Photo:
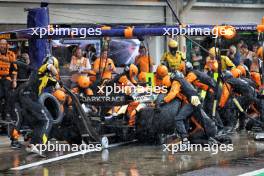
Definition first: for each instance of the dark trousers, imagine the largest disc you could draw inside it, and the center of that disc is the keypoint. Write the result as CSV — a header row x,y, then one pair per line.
x,y
208,108
5,87
230,113
181,119
38,117
245,102
182,125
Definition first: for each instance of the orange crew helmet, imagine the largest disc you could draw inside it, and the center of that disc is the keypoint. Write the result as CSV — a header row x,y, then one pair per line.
x,y
162,71
133,70
60,95
236,72
243,69
83,82
142,77
166,81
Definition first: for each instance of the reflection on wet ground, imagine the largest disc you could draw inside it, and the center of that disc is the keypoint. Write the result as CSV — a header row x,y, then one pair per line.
x,y
144,160
233,167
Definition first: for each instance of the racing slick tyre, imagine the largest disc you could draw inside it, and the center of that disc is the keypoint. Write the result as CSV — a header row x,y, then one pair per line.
x,y
53,106
150,123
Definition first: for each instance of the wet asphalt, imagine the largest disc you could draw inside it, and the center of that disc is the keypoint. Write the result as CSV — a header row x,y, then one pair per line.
x,y
135,160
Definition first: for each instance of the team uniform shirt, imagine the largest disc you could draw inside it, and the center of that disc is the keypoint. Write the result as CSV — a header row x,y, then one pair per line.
x,y
182,89
143,63
105,67
7,68
193,79
176,62
212,64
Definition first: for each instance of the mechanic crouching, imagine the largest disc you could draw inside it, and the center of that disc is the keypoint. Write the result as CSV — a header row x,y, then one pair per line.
x,y
183,90
237,92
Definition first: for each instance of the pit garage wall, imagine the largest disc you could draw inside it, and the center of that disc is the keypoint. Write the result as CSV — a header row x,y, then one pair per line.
x,y
13,16
224,13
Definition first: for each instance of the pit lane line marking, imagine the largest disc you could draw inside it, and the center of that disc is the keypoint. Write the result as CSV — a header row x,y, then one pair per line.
x,y
38,163
52,160
254,173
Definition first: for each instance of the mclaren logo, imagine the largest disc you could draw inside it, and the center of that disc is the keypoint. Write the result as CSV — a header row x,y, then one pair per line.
x,y
5,36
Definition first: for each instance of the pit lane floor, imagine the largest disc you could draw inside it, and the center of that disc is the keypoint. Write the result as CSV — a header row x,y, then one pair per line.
x,y
135,160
